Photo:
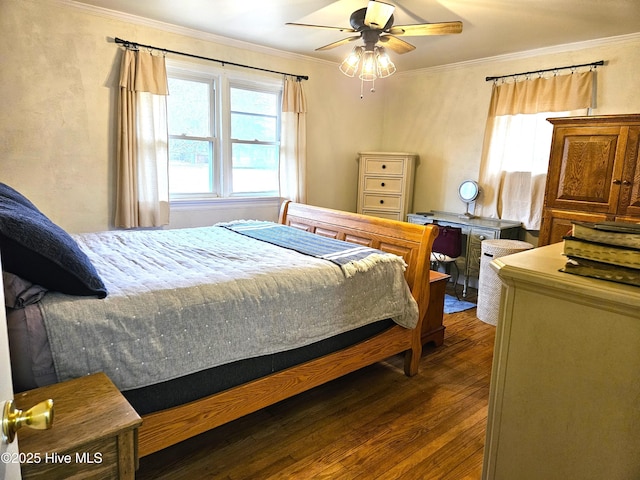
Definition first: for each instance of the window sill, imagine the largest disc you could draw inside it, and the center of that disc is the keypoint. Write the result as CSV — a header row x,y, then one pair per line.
x,y
195,203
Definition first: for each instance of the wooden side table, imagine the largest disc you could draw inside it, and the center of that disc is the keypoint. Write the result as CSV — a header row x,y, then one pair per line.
x,y
94,433
432,328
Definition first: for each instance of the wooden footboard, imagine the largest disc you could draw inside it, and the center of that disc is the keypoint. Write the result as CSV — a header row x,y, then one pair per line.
x,y
413,242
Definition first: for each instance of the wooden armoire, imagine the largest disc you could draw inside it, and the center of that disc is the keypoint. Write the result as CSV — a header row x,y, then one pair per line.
x,y
593,175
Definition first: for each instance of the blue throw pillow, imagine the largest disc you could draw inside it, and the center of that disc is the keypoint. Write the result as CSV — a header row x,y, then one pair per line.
x,y
36,249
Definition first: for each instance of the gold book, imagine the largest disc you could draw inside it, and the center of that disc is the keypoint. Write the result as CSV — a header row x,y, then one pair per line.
x,y
602,252
613,233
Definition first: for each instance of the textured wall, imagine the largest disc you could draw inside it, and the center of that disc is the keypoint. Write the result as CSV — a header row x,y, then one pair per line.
x,y
448,109
58,92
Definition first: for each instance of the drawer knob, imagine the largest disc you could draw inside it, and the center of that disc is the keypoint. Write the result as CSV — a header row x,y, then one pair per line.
x,y
39,416
382,184
384,166
381,202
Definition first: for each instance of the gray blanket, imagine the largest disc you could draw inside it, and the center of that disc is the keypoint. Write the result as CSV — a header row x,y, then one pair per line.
x,y
185,300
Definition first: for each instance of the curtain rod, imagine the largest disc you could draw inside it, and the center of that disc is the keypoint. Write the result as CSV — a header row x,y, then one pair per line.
x,y
129,44
592,64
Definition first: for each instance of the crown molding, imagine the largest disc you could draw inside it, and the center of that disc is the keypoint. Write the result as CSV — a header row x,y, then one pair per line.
x,y
567,47
188,32
210,37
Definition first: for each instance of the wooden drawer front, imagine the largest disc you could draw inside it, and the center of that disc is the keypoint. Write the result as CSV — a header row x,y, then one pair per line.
x,y
382,202
97,460
383,184
388,215
386,166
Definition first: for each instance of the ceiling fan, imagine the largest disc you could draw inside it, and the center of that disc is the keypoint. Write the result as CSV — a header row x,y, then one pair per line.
x,y
375,24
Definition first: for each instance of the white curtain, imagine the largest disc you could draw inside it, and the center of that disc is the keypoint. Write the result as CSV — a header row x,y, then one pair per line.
x,y
142,196
293,142
518,141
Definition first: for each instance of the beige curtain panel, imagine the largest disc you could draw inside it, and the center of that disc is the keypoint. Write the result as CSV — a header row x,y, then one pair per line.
x,y
513,192
554,94
142,192
293,142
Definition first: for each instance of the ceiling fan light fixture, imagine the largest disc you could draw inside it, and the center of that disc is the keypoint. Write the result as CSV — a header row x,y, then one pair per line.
x,y
349,65
386,67
369,71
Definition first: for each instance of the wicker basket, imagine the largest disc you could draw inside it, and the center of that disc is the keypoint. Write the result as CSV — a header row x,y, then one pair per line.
x,y
489,284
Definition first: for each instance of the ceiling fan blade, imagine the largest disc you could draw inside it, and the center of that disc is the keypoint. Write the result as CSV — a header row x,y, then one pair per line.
x,y
443,28
378,14
340,29
338,43
395,44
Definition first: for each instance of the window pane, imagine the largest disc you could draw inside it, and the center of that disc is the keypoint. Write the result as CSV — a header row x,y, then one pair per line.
x,y
253,127
190,166
249,101
255,168
188,106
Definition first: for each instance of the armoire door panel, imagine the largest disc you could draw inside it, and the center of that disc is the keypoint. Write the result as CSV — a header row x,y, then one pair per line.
x,y
629,204
594,173
558,223
586,173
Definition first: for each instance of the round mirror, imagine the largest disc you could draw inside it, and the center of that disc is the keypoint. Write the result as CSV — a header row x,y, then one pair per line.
x,y
468,191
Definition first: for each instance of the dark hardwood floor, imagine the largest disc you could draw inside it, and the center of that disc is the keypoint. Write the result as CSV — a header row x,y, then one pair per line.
x,y
374,423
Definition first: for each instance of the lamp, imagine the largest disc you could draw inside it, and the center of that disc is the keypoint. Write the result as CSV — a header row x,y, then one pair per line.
x,y
370,62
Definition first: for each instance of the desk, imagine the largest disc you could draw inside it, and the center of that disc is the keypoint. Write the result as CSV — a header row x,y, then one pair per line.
x,y
474,231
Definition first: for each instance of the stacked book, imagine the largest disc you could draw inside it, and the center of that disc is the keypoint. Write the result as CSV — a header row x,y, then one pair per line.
x,y
607,250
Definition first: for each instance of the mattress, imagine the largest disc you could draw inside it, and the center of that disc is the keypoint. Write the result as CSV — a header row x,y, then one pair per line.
x,y
184,302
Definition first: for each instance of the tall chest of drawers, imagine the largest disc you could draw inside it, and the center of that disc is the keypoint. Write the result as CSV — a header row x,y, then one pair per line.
x,y
385,184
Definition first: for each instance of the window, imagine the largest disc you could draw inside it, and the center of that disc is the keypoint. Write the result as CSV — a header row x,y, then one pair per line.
x,y
518,140
224,134
254,141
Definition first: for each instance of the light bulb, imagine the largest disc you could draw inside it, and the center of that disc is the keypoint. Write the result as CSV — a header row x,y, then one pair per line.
x,y
349,65
386,67
369,66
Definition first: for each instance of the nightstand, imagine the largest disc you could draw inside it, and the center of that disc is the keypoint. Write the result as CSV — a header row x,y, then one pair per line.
x,y
94,433
432,328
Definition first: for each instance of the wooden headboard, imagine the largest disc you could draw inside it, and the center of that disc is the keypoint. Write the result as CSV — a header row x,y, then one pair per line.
x,y
410,241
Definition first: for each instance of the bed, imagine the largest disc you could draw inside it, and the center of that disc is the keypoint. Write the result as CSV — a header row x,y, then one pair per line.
x,y
181,405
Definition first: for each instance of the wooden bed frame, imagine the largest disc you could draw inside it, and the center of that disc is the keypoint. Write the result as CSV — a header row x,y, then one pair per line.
x,y
411,241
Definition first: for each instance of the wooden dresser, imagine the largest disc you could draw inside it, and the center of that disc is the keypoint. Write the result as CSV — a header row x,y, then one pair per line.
x,y
385,184
563,401
593,175
94,432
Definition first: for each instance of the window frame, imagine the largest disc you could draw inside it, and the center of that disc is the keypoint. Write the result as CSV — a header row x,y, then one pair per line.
x,y
222,81
227,158
214,137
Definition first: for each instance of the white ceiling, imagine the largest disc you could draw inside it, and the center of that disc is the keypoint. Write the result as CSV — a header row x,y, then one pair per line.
x,y
491,27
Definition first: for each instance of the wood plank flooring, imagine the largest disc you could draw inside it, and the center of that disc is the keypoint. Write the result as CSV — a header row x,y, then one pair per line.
x,y
374,423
